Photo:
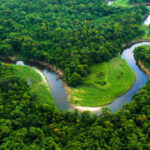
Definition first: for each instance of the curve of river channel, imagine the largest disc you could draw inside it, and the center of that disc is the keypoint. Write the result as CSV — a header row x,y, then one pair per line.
x,y
60,96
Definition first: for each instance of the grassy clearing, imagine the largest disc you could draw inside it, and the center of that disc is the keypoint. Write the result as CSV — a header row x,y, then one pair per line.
x,y
124,3
146,46
38,86
146,29
106,82
121,3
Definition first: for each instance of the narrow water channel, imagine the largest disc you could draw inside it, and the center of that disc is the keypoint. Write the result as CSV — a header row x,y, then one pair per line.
x,y
56,86
59,93
141,78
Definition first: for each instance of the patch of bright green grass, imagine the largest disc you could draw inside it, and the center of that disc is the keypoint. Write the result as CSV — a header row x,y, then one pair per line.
x,y
146,46
38,86
146,29
124,3
121,3
106,82
148,8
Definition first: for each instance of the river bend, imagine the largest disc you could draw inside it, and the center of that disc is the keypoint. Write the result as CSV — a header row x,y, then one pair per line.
x,y
60,96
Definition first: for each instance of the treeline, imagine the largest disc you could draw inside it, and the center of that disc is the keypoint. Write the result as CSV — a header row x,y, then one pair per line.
x,y
139,1
70,34
26,125
143,53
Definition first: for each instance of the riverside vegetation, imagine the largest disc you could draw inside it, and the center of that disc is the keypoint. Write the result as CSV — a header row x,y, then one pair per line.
x,y
26,124
60,32
143,53
106,81
129,3
39,86
74,35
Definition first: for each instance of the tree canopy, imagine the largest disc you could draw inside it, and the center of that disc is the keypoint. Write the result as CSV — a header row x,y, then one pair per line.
x,y
69,34
26,124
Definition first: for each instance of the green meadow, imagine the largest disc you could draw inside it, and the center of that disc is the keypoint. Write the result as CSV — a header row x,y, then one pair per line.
x,y
146,46
106,82
121,3
37,84
146,30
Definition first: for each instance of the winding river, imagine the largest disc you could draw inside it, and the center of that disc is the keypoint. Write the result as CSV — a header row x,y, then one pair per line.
x,y
59,93
141,78
60,96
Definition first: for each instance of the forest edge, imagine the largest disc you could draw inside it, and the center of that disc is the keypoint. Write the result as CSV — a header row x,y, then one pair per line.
x,y
60,74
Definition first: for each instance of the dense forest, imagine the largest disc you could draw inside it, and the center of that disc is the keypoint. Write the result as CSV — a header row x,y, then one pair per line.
x,y
143,53
139,1
26,125
73,35
59,32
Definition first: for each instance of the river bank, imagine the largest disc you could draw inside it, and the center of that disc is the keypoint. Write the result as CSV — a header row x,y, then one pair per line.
x,y
93,109
40,64
60,75
117,103
117,77
52,68
142,66
134,42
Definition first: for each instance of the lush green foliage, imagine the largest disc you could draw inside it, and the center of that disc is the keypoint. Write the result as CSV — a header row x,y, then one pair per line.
x,y
25,125
146,29
38,85
107,81
143,53
127,2
138,1
70,34
73,35
122,3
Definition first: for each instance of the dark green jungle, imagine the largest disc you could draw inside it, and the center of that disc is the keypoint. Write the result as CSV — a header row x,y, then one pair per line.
x,y
73,35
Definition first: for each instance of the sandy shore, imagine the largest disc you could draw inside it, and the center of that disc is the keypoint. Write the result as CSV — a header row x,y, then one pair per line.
x,y
61,75
91,109
42,75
